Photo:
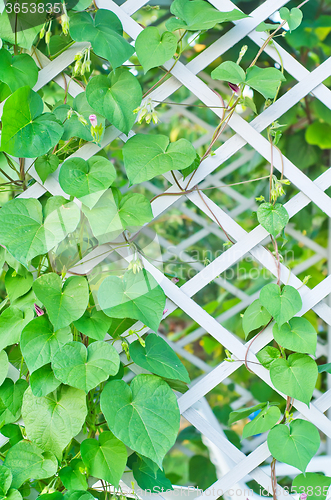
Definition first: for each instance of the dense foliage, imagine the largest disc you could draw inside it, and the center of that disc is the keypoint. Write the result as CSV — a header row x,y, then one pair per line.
x,y
73,335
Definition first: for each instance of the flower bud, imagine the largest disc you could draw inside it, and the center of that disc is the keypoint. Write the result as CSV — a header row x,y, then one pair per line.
x,y
93,120
38,310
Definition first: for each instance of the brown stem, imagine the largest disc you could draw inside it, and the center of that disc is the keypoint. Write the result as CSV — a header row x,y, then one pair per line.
x,y
161,79
251,342
273,478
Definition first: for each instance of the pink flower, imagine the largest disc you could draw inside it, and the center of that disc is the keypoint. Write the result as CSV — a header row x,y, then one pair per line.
x,y
303,496
38,310
175,280
165,311
93,120
234,87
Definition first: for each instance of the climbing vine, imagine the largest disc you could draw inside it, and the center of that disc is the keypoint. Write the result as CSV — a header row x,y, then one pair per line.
x,y
74,336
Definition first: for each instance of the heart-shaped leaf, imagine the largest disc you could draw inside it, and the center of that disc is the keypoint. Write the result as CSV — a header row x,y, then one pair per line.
x,y
73,477
77,495
12,322
85,368
115,96
43,381
26,233
17,285
267,355
282,304
229,71
198,15
295,376
114,213
63,305
11,395
144,416
254,317
149,476
265,420
315,486
18,70
4,365
46,165
39,342
154,49
105,457
297,335
52,421
158,357
27,131
146,156
136,296
23,37
5,479
73,124
26,460
104,32
94,324
293,17
294,445
272,217
264,80
87,180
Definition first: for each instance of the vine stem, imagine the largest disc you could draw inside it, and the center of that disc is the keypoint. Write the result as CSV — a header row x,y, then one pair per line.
x,y
273,478
251,342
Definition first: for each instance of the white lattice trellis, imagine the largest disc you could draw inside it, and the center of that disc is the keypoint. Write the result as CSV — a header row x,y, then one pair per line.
x,y
234,467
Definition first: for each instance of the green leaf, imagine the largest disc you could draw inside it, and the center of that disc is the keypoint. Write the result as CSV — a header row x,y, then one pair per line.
x,y
319,134
85,368
297,335
17,70
52,421
265,420
39,342
244,413
159,358
229,72
293,17
105,457
254,317
104,32
12,432
144,416
26,460
249,103
94,324
12,494
26,233
267,355
87,180
114,213
202,471
12,322
265,80
154,49
194,165
17,285
72,476
282,304
149,476
11,395
198,15
4,365
63,305
272,217
324,368
5,480
294,445
23,38
296,377
46,165
314,485
266,27
27,131
146,156
78,495
43,381
115,96
136,296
